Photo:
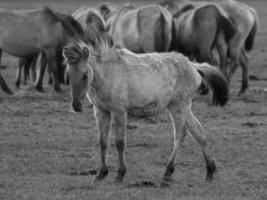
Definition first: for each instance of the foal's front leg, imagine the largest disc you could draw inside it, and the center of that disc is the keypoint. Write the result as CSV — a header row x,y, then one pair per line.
x,y
119,123
103,124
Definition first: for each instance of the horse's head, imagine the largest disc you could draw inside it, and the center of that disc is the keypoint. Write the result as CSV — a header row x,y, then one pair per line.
x,y
80,73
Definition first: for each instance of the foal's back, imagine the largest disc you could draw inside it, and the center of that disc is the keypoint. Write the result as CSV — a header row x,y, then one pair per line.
x,y
146,83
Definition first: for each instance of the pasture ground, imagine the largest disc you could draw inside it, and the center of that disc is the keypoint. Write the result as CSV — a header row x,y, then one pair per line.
x,y
47,152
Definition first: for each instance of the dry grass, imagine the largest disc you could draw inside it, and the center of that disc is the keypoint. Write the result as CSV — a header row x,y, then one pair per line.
x,y
47,152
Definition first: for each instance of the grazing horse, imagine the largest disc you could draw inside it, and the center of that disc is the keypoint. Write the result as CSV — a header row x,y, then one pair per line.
x,y
120,83
246,22
141,30
25,33
195,31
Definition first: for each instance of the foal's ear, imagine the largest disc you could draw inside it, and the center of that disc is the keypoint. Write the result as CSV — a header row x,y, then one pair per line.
x,y
72,54
85,52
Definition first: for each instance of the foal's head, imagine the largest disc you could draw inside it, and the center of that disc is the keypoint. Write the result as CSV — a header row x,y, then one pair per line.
x,y
80,74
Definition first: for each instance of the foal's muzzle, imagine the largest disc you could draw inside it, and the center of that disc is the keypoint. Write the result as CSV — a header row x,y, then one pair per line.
x,y
77,107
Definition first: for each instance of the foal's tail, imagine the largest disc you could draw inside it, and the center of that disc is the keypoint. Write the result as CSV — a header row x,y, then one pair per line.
x,y
215,81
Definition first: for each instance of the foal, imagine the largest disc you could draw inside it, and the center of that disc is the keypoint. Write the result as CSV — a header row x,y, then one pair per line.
x,y
121,83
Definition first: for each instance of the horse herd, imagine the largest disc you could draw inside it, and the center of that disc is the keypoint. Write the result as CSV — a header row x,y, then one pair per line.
x,y
119,57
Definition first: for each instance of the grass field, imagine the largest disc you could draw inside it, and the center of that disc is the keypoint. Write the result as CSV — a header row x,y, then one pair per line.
x,y
48,152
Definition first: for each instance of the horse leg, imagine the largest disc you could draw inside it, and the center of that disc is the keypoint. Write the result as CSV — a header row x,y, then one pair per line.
x,y
103,124
18,76
118,128
50,76
180,130
244,66
33,67
27,65
4,86
52,64
205,55
234,54
39,82
197,132
221,47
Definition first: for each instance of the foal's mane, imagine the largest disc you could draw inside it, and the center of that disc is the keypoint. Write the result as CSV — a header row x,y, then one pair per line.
x,y
101,46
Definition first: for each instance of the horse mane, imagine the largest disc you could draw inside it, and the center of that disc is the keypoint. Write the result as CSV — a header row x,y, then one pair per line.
x,y
70,25
50,15
103,42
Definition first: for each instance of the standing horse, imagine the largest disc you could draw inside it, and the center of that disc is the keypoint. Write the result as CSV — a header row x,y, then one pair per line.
x,y
24,33
195,32
246,22
120,82
141,30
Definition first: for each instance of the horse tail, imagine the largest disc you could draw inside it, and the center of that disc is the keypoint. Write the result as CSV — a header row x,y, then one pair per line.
x,y
251,36
225,24
214,80
163,31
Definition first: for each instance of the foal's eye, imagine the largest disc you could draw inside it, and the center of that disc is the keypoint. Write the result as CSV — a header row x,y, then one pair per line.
x,y
85,76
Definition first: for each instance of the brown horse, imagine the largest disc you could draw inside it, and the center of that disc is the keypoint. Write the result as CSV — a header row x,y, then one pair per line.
x,y
121,83
196,31
143,29
246,22
26,33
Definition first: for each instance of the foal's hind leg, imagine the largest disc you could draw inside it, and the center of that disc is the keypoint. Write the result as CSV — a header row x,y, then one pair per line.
x,y
244,65
103,125
119,123
197,132
178,116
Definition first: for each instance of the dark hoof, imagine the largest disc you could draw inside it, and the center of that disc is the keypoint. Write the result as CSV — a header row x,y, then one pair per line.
x,y
101,174
17,84
120,175
241,93
165,184
58,89
211,169
169,171
39,89
9,92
